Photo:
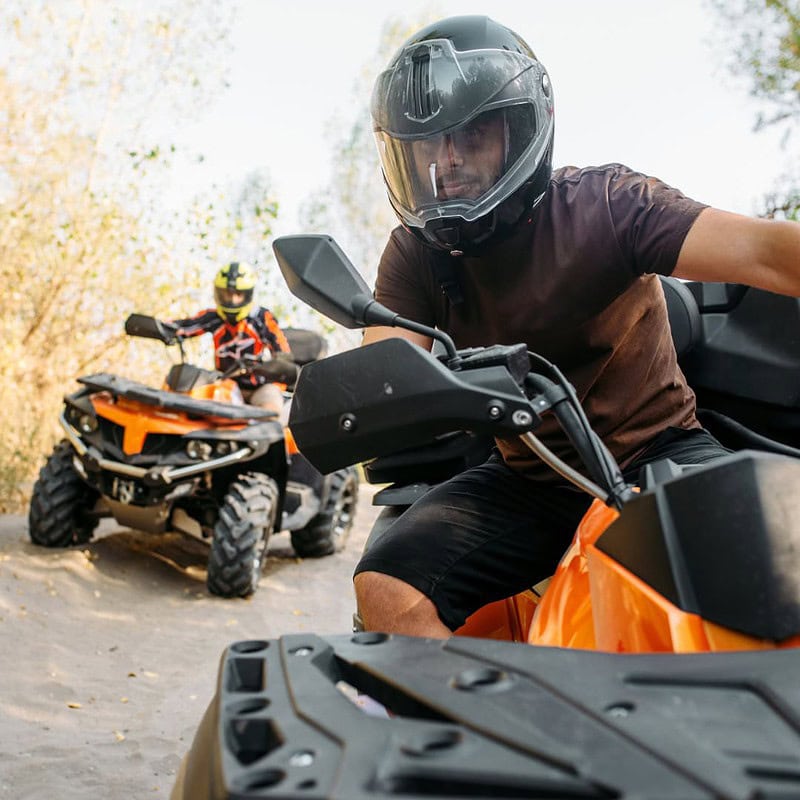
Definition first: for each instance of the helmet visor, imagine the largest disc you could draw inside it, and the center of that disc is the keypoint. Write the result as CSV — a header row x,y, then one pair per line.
x,y
464,171
232,299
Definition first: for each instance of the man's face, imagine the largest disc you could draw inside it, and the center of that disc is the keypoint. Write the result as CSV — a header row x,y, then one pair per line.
x,y
231,298
463,163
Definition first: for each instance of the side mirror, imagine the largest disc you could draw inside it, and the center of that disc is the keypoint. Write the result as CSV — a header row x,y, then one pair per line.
x,y
317,271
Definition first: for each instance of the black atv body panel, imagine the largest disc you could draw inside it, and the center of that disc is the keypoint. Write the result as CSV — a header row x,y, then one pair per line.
x,y
735,561
173,401
473,718
741,356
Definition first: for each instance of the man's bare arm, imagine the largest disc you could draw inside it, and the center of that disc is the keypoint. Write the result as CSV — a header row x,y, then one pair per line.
x,y
732,248
376,334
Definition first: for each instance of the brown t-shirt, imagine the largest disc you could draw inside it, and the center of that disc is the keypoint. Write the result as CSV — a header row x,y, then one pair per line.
x,y
575,284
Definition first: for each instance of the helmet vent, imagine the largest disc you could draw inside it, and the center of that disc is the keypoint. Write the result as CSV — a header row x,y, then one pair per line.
x,y
421,94
233,274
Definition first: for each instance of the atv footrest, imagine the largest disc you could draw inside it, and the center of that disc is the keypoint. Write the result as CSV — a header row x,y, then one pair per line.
x,y
302,504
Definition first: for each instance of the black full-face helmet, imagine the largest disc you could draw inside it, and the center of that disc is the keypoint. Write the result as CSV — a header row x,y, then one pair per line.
x,y
463,119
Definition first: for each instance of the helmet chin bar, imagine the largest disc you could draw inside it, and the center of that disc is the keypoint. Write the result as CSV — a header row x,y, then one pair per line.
x,y
466,238
458,237
234,315
461,238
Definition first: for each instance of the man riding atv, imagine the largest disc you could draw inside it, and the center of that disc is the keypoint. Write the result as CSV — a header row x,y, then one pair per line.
x,y
192,456
497,247
240,329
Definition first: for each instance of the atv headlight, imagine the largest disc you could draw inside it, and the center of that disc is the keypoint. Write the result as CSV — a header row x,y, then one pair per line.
x,y
84,421
87,423
223,448
198,450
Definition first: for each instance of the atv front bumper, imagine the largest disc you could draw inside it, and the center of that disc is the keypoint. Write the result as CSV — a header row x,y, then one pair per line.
x,y
93,461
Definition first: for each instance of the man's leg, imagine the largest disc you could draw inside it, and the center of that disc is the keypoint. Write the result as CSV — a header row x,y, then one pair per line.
x,y
483,535
268,396
692,446
391,605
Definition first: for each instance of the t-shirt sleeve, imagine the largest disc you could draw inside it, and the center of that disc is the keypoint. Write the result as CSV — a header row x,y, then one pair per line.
x,y
403,282
651,220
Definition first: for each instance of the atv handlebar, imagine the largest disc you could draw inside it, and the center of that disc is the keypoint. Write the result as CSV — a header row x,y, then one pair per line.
x,y
148,327
494,389
278,369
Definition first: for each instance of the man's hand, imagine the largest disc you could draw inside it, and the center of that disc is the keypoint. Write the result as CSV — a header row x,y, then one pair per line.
x,y
169,331
278,369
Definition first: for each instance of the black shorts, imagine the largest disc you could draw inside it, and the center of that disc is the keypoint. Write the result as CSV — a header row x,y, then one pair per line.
x,y
489,532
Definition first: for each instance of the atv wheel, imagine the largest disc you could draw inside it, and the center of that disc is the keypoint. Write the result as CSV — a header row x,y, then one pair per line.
x,y
59,513
327,532
241,534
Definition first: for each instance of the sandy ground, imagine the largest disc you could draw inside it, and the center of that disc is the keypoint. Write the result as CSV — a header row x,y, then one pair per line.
x,y
109,652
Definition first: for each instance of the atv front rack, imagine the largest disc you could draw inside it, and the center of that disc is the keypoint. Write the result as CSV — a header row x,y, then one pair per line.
x,y
173,401
377,716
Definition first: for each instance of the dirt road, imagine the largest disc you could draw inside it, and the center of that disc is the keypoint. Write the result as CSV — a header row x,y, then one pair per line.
x,y
109,652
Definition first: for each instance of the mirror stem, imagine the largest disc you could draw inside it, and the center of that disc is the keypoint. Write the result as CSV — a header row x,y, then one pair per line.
x,y
370,312
434,333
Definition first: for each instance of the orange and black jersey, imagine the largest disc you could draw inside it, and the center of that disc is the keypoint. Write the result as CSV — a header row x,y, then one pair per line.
x,y
251,336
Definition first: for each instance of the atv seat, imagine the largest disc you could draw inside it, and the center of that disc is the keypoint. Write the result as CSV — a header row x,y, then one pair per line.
x,y
185,377
444,457
684,314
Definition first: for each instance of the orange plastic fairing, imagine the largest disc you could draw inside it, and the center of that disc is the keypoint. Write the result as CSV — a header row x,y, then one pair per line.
x,y
139,419
291,444
593,602
564,616
507,620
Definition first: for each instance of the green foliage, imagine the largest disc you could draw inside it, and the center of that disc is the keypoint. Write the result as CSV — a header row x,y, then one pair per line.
x,y
354,207
85,235
763,38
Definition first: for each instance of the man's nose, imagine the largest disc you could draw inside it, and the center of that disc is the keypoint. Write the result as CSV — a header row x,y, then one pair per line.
x,y
448,151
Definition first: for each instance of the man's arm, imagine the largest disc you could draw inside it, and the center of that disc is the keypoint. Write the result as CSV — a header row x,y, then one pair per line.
x,y
276,340
725,247
202,322
376,334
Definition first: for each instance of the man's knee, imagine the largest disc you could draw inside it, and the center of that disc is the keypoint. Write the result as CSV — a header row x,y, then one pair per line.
x,y
374,586
381,594
386,603
269,397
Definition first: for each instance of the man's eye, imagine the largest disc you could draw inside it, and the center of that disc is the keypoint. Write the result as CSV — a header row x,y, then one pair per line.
x,y
431,145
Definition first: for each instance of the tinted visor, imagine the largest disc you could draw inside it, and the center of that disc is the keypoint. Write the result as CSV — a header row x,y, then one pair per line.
x,y
465,167
232,299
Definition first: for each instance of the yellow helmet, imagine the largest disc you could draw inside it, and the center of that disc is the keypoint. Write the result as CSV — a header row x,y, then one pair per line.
x,y
233,291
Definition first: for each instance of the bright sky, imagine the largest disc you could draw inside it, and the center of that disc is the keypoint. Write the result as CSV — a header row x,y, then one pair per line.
x,y
636,81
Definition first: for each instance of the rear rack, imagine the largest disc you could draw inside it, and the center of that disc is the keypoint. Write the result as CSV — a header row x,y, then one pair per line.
x,y
306,716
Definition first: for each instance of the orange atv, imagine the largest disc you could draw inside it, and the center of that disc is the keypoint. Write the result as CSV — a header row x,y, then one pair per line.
x,y
660,569
666,663
191,457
